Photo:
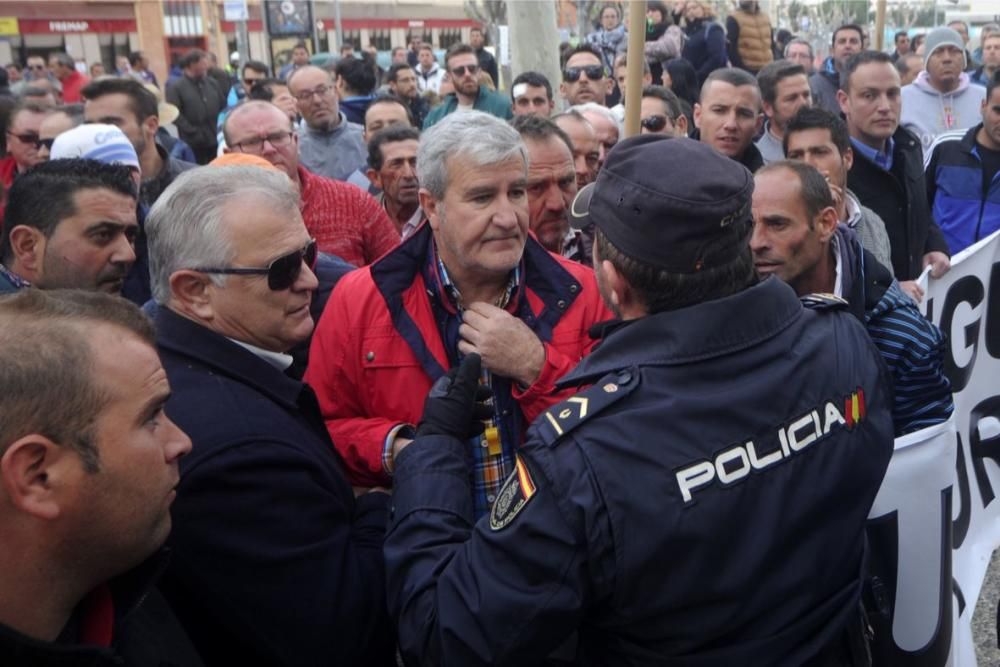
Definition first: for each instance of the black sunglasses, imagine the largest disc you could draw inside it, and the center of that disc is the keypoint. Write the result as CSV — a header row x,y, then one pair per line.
x,y
29,138
654,123
460,70
45,142
593,72
281,273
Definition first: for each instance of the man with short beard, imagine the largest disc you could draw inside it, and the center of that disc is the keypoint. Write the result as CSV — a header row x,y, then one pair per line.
x,y
463,66
329,144
585,78
69,224
551,187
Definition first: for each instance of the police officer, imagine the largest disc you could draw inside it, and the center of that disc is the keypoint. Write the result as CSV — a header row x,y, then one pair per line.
x,y
701,501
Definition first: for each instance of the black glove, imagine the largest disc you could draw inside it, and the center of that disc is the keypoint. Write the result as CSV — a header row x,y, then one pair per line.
x,y
456,404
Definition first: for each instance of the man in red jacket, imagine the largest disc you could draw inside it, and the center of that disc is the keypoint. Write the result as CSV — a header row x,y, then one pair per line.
x,y
472,280
345,220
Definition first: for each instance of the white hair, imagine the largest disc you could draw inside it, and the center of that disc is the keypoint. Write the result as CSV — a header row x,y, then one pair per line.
x,y
187,226
600,110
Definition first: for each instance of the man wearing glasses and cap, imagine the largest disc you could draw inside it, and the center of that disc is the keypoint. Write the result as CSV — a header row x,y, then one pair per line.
x,y
703,498
274,560
463,68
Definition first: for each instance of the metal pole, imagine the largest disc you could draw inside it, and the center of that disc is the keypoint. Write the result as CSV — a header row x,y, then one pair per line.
x,y
633,71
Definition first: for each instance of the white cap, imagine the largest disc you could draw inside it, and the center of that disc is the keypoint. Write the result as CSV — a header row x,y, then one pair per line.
x,y
104,143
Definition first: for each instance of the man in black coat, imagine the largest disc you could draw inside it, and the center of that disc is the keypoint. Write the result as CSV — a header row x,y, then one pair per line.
x,y
887,175
275,561
88,470
487,63
199,100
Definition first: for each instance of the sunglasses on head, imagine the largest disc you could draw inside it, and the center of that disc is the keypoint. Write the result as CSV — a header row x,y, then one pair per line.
x,y
593,72
654,123
281,273
460,70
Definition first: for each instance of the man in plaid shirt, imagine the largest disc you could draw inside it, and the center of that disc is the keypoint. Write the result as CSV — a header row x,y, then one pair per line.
x,y
472,280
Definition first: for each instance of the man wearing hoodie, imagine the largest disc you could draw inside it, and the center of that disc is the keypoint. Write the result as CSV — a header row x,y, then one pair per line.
x,y
847,40
942,97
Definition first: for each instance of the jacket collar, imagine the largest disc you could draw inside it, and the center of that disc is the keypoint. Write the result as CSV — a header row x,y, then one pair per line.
x,y
695,333
396,272
187,338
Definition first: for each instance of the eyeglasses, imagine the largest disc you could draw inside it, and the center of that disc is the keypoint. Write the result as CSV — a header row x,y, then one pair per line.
x,y
281,273
460,70
307,95
249,82
29,138
654,123
37,67
47,143
256,144
593,72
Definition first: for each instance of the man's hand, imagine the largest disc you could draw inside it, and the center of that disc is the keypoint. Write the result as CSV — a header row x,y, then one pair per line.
x,y
913,289
456,404
939,263
506,344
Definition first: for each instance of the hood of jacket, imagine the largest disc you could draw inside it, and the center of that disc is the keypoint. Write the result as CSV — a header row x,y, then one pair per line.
x,y
923,84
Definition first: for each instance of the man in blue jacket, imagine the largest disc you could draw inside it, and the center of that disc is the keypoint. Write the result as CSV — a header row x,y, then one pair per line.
x,y
963,187
275,561
463,67
647,512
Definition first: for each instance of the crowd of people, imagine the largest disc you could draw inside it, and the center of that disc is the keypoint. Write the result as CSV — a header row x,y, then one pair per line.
x,y
352,367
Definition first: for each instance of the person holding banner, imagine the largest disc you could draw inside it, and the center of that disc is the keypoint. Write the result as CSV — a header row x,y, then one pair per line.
x,y
702,501
796,237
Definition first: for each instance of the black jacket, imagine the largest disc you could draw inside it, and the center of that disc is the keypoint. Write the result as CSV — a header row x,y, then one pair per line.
x,y
702,502
488,64
899,197
275,562
145,631
705,47
199,103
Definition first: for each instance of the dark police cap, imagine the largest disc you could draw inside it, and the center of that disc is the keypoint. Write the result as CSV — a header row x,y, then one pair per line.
x,y
675,204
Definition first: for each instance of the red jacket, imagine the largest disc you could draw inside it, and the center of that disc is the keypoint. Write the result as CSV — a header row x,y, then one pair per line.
x,y
377,348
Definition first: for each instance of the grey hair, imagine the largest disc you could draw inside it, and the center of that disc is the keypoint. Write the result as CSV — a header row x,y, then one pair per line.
x,y
599,109
480,137
799,40
187,226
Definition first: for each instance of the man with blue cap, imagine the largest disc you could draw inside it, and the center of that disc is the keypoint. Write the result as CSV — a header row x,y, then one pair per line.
x,y
701,500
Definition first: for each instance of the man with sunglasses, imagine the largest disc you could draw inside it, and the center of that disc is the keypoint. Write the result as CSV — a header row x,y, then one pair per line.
x,y
61,119
660,113
585,78
274,560
329,144
22,142
463,67
345,220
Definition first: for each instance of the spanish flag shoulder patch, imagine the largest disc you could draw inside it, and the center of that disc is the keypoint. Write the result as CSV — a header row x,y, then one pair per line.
x,y
513,497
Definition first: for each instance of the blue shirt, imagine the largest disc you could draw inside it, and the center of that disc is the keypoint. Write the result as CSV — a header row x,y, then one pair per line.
x,y
883,160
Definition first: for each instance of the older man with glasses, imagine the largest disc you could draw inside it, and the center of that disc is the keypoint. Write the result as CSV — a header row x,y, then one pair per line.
x,y
345,220
264,489
463,68
23,141
329,144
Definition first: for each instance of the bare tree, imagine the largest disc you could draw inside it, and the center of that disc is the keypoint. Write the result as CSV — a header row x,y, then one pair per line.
x,y
491,14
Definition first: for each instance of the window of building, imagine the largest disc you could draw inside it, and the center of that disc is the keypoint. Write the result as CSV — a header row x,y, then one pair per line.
x,y
381,38
449,36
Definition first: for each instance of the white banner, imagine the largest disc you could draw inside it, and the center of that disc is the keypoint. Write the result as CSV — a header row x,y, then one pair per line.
x,y
936,520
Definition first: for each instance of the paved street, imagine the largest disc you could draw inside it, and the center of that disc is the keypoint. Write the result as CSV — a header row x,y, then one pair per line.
x,y
984,621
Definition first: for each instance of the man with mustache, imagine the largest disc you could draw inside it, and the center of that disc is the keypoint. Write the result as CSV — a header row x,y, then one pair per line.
x,y
70,224
728,115
392,160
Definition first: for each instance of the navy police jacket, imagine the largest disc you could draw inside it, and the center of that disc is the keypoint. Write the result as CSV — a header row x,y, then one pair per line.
x,y
702,502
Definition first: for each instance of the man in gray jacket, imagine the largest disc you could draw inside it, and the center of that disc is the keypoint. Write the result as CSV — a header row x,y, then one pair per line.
x,y
199,100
